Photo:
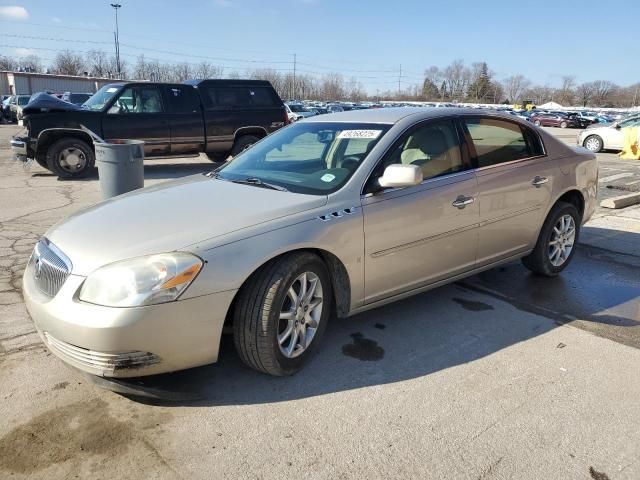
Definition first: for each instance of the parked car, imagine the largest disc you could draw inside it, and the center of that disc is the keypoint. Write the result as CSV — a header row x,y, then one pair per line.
x,y
218,117
554,120
76,98
300,110
339,213
609,136
4,109
335,108
11,114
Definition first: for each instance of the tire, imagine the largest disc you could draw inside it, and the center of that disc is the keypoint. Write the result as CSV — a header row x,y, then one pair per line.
x,y
217,156
593,143
563,124
243,143
41,159
262,301
537,123
76,147
540,260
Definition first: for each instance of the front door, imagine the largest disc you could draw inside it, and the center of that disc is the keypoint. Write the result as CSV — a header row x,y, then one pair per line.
x,y
419,235
515,179
139,114
185,119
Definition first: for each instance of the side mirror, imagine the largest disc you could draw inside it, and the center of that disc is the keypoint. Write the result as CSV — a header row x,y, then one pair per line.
x,y
617,126
399,175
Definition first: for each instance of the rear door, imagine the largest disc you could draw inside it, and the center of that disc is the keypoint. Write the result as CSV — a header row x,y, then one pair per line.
x,y
139,113
419,235
515,181
186,123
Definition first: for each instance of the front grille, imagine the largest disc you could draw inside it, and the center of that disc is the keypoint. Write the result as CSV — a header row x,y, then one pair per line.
x,y
106,363
50,267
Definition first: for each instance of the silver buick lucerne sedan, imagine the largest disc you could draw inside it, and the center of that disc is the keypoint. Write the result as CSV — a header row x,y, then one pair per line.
x,y
330,216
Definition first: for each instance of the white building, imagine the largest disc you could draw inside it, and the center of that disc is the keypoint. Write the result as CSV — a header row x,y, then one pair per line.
x,y
24,83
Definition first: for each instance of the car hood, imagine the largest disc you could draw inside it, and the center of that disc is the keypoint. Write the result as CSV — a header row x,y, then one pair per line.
x,y
169,217
43,102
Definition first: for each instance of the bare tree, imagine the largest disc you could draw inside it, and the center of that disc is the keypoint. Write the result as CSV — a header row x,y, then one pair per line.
x,y
602,91
584,92
68,63
206,70
97,62
7,63
514,87
454,76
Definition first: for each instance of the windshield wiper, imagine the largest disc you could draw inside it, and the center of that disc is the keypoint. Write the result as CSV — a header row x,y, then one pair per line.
x,y
259,183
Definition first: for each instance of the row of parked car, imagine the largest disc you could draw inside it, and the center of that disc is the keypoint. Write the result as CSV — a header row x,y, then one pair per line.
x,y
12,105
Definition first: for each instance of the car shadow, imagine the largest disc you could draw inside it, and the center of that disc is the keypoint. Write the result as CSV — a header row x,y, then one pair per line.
x,y
440,329
409,339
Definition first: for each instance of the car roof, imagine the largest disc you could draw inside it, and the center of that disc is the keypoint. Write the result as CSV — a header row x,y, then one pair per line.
x,y
393,115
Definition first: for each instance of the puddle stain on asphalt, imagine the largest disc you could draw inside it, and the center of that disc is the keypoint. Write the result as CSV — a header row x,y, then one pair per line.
x,y
472,305
596,475
363,349
63,434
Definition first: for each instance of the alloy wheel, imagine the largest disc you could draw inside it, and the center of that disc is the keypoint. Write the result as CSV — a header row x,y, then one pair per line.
x,y
300,315
562,240
592,144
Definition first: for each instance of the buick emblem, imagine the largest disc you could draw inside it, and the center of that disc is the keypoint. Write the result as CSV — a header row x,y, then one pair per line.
x,y
37,268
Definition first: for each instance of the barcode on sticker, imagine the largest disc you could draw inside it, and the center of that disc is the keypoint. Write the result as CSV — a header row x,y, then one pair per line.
x,y
359,134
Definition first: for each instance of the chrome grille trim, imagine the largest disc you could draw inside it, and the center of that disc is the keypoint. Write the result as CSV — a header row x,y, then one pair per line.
x,y
50,267
102,361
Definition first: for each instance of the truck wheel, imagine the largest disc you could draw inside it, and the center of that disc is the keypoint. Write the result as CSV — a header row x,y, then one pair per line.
x,y
217,156
243,143
281,314
41,159
70,158
557,241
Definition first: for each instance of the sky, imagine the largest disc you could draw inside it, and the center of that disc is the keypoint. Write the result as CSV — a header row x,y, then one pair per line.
x,y
367,39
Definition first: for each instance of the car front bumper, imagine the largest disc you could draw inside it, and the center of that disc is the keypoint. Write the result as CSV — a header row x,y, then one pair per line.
x,y
19,148
127,342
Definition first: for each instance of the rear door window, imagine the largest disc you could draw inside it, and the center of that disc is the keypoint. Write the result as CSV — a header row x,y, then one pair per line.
x,y
498,141
182,99
239,97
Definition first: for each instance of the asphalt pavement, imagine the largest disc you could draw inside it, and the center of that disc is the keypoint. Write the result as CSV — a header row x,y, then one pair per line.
x,y
502,375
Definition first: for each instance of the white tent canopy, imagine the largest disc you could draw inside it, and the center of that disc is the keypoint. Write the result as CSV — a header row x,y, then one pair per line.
x,y
551,106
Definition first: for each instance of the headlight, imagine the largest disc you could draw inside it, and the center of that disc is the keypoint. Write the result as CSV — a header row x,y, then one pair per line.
x,y
141,281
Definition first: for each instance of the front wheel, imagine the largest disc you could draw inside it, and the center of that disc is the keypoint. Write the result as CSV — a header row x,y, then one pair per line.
x,y
593,143
70,158
537,123
557,241
281,314
563,124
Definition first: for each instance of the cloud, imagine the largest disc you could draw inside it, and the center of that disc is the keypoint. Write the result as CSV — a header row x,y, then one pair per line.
x,y
14,12
56,20
24,52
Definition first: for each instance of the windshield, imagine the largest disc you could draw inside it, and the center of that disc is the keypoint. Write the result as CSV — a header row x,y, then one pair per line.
x,y
79,98
297,108
101,97
314,158
22,101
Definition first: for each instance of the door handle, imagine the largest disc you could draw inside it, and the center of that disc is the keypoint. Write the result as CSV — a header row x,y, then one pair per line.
x,y
539,181
462,201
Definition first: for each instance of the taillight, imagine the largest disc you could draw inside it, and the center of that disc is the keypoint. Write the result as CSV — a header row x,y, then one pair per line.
x,y
286,117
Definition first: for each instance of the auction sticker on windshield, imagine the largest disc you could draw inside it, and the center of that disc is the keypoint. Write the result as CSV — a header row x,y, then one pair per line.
x,y
369,134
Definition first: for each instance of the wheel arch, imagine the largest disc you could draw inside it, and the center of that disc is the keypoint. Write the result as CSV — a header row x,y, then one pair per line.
x,y
47,137
259,132
340,281
572,196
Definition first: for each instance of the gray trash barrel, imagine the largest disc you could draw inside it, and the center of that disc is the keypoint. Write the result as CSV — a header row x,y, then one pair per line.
x,y
120,166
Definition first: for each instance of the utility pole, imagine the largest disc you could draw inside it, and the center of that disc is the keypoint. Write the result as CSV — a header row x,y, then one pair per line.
x,y
399,81
116,36
293,87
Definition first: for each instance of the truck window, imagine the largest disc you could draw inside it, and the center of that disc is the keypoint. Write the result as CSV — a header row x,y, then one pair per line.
x,y
138,100
228,97
183,99
262,97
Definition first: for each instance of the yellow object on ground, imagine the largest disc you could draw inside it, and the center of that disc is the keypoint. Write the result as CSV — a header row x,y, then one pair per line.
x,y
630,148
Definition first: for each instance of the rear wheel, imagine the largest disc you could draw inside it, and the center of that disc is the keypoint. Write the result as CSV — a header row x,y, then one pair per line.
x,y
243,143
557,241
281,314
70,158
563,124
593,143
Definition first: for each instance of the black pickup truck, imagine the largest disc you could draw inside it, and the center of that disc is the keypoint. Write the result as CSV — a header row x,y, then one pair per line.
x,y
217,117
